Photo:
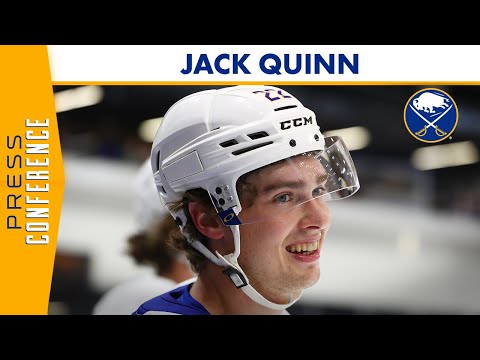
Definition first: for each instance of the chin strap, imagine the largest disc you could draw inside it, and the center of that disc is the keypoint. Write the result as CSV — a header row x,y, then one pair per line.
x,y
232,268
238,277
240,280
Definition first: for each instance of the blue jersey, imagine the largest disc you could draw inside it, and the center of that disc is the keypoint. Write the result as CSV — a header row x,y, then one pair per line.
x,y
177,301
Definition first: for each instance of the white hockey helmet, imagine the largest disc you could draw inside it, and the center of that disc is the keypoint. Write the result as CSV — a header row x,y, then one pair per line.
x,y
210,138
147,207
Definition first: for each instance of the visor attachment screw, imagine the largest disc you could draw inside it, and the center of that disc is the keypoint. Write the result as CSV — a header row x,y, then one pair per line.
x,y
316,137
293,143
218,190
221,201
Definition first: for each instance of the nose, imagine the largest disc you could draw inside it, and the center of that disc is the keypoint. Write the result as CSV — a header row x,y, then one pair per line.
x,y
316,214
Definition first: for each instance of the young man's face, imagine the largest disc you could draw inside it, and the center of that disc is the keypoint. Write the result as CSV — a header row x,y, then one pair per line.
x,y
284,228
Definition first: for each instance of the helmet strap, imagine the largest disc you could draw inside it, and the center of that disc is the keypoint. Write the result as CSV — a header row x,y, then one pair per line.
x,y
231,267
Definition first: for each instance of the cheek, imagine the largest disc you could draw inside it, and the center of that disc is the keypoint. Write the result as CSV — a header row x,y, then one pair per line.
x,y
263,236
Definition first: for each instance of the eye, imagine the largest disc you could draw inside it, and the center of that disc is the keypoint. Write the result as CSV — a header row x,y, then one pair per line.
x,y
319,191
282,199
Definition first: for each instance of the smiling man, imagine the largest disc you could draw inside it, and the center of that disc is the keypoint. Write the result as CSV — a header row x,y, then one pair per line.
x,y
246,174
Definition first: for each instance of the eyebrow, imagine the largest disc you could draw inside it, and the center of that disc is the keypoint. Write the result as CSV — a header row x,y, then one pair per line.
x,y
321,179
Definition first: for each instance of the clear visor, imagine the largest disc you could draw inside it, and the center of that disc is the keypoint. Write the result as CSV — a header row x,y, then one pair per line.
x,y
277,190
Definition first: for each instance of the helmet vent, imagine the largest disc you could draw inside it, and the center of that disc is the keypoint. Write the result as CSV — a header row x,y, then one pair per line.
x,y
257,135
229,143
286,107
250,148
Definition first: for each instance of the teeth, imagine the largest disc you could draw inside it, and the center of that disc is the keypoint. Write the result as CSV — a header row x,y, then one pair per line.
x,y
305,247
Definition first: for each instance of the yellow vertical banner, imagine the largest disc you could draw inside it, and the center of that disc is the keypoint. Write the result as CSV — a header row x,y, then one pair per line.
x,y
32,180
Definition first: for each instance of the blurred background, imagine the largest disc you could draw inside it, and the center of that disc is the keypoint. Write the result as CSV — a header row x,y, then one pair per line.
x,y
407,243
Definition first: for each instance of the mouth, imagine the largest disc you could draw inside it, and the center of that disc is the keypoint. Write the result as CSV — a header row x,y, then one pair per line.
x,y
304,248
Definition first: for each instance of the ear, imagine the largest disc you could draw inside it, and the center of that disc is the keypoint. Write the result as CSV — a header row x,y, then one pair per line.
x,y
206,222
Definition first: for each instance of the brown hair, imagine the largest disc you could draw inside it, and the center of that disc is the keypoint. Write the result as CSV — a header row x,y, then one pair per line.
x,y
176,239
151,247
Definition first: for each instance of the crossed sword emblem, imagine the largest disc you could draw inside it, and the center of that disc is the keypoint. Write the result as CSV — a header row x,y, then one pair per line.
x,y
423,131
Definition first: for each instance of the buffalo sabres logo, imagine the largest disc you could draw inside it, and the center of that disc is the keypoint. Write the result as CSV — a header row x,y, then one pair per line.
x,y
431,115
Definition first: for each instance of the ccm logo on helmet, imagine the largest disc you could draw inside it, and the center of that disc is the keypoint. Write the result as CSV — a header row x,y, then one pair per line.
x,y
287,124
